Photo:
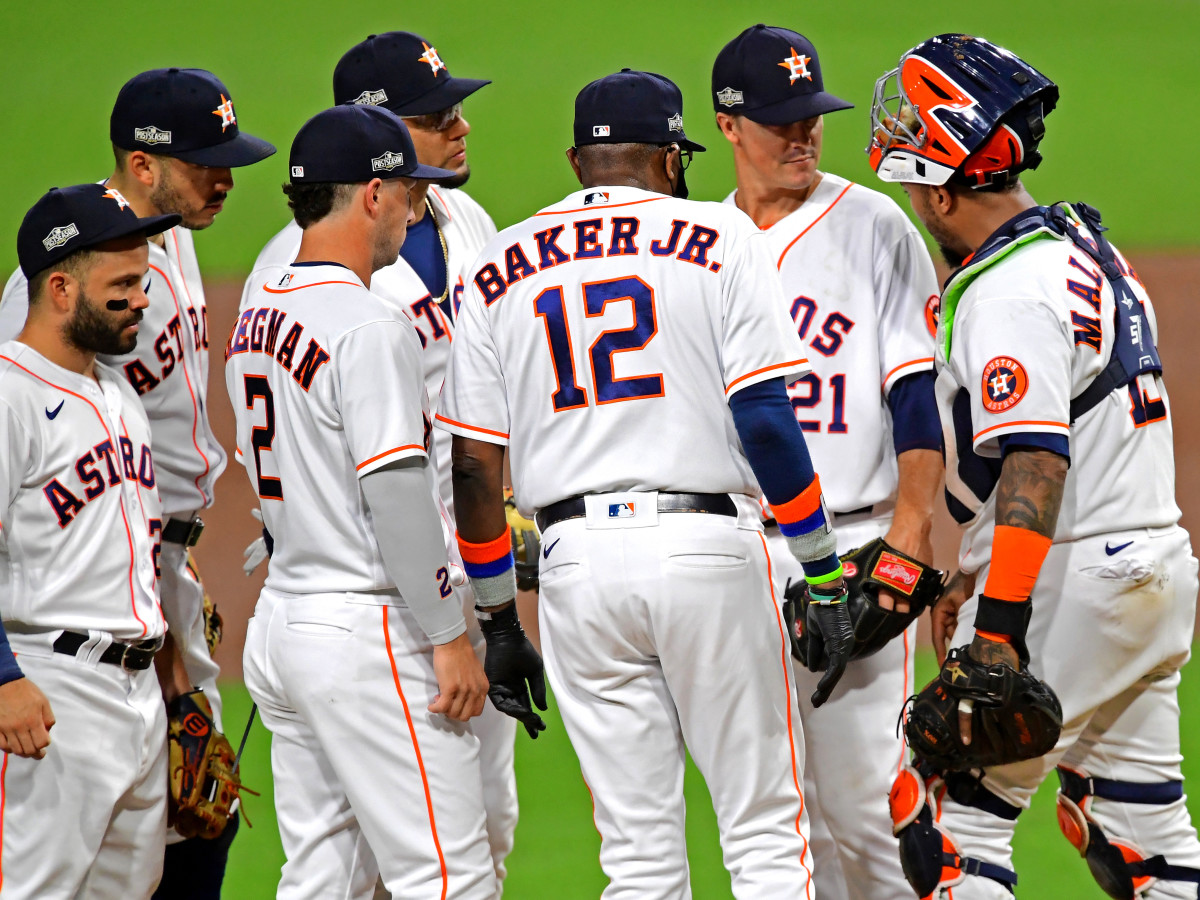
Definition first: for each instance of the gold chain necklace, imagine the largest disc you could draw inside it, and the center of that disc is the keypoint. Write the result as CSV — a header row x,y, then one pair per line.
x,y
445,253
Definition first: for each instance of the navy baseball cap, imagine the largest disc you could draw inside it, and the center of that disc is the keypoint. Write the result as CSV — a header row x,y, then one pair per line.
x,y
69,219
184,113
631,107
401,71
772,76
351,144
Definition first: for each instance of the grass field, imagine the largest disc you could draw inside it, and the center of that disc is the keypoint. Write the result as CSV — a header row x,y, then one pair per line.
x,y
555,857
1122,137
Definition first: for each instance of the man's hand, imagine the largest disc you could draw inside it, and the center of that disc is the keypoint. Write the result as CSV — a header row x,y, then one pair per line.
x,y
945,612
916,543
514,669
462,686
987,652
25,719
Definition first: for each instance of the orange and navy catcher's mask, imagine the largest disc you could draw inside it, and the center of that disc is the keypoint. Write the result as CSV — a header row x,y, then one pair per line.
x,y
959,108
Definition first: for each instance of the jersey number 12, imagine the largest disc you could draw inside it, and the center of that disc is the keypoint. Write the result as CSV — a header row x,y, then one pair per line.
x,y
550,307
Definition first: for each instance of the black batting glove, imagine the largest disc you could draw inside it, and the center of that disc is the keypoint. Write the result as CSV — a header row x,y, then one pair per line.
x,y
831,636
513,668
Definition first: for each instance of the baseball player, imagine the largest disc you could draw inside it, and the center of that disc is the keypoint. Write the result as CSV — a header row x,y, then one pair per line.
x,y
403,73
175,137
357,654
83,729
857,281
625,346
1060,467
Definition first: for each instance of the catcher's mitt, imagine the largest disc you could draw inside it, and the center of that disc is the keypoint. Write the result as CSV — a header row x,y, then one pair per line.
x,y
1014,715
204,786
527,546
868,568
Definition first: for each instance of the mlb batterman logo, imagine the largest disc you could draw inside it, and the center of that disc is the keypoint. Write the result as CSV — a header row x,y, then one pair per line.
x,y
387,162
59,236
151,135
1004,384
601,131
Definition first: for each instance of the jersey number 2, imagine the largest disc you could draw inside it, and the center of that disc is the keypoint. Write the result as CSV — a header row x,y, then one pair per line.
x,y
262,436
550,307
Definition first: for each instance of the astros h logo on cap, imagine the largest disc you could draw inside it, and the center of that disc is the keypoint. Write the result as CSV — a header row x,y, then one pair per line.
x,y
772,76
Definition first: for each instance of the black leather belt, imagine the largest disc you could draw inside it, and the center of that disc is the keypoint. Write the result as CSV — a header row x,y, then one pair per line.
x,y
183,531
771,523
130,657
576,507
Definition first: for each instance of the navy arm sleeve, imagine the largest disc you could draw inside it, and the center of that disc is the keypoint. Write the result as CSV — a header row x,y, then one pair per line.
x,y
774,444
915,421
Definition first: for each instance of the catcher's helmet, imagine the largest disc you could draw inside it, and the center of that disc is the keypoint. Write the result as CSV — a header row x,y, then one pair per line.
x,y
960,108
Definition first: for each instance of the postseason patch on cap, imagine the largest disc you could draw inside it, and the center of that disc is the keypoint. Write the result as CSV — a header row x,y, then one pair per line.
x,y
387,161
59,236
729,97
371,98
151,135
675,123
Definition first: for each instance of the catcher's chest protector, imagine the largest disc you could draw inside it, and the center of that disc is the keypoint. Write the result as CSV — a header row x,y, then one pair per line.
x,y
1133,353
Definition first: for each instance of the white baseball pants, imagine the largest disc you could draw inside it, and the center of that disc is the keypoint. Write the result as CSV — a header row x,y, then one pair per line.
x,y
368,783
853,750
1109,634
88,820
661,630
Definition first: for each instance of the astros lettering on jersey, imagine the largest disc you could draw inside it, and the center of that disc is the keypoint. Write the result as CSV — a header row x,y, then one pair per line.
x,y
83,445
168,369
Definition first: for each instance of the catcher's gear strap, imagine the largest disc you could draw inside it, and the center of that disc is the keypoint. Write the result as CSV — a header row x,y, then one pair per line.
x,y
929,854
1133,352
1120,868
489,565
1017,557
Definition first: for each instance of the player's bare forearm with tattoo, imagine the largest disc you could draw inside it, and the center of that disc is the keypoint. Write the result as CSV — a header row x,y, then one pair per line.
x,y
1028,495
920,479
1030,490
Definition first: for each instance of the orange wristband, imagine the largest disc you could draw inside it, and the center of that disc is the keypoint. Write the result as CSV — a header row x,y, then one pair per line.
x,y
488,551
1017,557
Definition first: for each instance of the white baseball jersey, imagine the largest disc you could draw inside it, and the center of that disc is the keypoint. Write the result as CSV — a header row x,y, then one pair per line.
x,y
168,369
326,384
615,375
80,520
466,228
1028,335
860,286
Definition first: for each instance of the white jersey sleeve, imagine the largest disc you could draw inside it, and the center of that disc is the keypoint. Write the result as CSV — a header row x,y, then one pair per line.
x,y
473,401
906,286
363,391
14,306
1015,356
758,341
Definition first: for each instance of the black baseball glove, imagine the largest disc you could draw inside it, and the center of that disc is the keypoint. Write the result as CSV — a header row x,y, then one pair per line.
x,y
1014,715
869,568
509,664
